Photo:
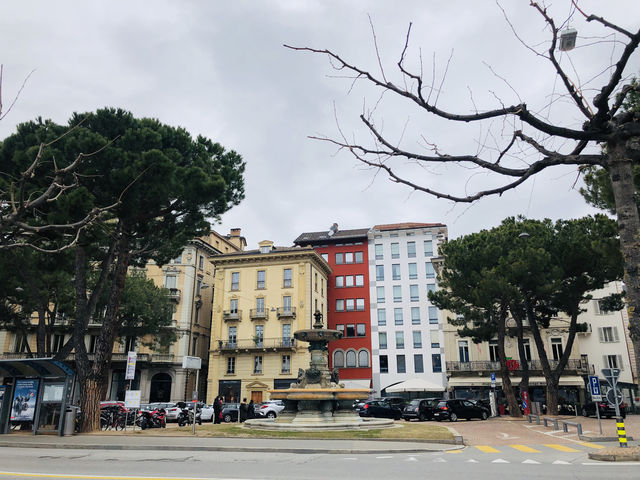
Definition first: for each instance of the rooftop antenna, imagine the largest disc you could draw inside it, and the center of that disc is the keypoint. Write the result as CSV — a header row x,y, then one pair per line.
x,y
333,230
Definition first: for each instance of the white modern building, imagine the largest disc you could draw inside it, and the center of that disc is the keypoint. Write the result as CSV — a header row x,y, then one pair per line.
x,y
406,329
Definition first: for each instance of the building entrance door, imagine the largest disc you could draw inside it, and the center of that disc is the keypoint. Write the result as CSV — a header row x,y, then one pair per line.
x,y
256,396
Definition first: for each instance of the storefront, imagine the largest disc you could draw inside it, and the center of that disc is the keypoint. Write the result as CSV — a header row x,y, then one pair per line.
x,y
34,395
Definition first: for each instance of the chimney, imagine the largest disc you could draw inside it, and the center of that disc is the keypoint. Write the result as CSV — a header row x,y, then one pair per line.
x,y
236,239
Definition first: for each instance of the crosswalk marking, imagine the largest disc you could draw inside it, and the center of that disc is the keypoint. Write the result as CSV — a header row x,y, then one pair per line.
x,y
562,448
487,449
454,451
500,460
525,448
591,445
533,462
561,462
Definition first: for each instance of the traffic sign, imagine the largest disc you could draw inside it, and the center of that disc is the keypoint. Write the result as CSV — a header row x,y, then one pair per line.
x,y
493,380
611,374
614,396
594,388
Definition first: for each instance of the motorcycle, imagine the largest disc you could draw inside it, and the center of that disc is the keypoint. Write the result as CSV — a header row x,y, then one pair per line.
x,y
185,417
154,419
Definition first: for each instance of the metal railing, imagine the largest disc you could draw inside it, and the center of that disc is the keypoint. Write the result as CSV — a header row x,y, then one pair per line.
x,y
287,312
488,366
258,314
232,315
253,344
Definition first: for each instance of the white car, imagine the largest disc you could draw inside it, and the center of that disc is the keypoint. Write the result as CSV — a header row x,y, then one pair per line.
x,y
270,409
206,414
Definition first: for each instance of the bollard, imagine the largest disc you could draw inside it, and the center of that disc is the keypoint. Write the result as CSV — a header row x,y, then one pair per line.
x,y
622,433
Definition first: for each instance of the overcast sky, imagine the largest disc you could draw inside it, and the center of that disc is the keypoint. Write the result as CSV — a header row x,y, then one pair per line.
x,y
219,69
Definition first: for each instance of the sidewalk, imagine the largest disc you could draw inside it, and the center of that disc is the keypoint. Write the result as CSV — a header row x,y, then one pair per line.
x,y
220,444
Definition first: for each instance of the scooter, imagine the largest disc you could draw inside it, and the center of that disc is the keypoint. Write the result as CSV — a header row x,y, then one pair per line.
x,y
185,417
154,419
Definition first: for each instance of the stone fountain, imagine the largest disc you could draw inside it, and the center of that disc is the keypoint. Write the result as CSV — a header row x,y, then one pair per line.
x,y
317,400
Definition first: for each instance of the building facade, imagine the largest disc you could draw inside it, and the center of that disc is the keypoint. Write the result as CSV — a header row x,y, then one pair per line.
x,y
346,251
261,297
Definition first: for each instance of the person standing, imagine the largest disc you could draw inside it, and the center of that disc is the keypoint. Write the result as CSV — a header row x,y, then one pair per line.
x,y
243,410
251,410
217,409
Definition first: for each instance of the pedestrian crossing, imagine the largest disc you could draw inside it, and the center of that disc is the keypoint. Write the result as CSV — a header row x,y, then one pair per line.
x,y
544,448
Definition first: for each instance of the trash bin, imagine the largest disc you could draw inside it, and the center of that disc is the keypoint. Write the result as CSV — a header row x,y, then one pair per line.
x,y
70,420
501,410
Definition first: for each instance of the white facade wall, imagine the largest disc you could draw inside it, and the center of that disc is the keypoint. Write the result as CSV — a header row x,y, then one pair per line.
x,y
402,237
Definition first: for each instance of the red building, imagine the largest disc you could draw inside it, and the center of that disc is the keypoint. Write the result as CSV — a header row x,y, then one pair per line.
x,y
348,300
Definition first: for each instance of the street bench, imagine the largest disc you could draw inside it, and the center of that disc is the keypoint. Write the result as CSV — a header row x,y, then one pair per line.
x,y
552,420
566,423
531,416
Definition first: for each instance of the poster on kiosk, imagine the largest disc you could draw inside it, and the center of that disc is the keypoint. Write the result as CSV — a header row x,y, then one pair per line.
x,y
23,407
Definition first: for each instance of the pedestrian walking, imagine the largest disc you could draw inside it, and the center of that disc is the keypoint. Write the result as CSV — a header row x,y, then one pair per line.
x,y
217,409
243,410
251,410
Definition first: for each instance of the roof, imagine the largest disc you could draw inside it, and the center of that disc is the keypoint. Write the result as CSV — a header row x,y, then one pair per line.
x,y
407,226
34,367
324,237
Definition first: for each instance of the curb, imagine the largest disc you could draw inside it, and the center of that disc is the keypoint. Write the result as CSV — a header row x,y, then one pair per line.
x,y
600,439
615,457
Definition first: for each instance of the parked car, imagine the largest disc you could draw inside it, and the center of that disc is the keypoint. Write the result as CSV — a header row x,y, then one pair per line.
x,y
357,405
380,409
420,409
606,410
454,409
230,412
172,410
270,409
206,414
395,401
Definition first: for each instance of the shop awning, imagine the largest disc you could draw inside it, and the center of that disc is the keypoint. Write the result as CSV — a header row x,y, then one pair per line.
x,y
34,367
415,385
470,381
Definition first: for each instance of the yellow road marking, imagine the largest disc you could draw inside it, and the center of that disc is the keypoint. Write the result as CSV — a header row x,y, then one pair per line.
x,y
525,448
562,448
487,449
591,445
454,451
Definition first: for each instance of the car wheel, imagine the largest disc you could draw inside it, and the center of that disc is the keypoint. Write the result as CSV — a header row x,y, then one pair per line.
x,y
227,418
422,417
398,416
484,416
453,417
271,415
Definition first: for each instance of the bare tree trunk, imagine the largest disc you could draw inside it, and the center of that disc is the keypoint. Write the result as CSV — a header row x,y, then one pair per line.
x,y
620,169
507,388
524,363
91,394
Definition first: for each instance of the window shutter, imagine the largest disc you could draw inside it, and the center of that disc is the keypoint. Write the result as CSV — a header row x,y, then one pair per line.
x,y
620,364
605,361
615,334
601,334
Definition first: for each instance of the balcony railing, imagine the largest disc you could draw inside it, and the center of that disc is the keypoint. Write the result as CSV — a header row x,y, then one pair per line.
x,y
258,314
574,364
287,312
174,295
163,358
232,315
251,344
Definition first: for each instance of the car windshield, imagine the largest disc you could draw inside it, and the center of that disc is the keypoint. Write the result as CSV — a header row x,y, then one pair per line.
x,y
414,403
442,404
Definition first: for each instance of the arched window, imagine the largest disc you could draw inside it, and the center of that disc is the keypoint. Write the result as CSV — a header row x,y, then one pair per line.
x,y
363,358
338,359
351,358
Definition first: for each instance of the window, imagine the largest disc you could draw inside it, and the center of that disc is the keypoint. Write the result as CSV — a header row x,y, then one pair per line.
x,y
260,305
415,315
351,359
397,316
351,330
258,336
231,365
379,273
257,364
170,281
434,335
261,279
194,347
417,339
431,273
400,340
384,364
58,343
382,317
401,367
92,344
379,255
338,359
431,287
380,294
325,257
363,358
130,344
556,348
433,315
178,259
233,335
413,293
339,282
413,271
340,305
600,308
360,304
527,349
359,257
348,257
265,249
315,281
201,262
395,271
436,362
286,304
411,249
493,351
382,340
397,293
418,364
288,278
286,333
235,281
608,334
395,250
463,350
348,281
351,304
359,280
198,286
286,363
233,306
339,258
612,361
428,248
340,328
361,330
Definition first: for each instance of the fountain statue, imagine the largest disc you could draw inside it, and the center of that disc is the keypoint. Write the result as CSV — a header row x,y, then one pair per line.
x,y
317,400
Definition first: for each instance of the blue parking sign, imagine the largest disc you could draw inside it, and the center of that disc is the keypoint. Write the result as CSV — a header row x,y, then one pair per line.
x,y
594,387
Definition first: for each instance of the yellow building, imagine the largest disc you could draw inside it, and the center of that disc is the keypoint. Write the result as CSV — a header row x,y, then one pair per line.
x,y
261,297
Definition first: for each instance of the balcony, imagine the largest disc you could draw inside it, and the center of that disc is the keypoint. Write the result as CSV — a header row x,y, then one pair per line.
x,y
232,315
174,295
163,358
259,314
286,312
247,345
574,365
